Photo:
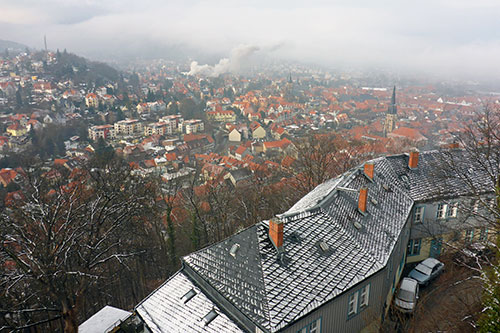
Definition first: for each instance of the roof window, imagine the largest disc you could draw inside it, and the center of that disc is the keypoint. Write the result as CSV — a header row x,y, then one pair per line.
x,y
323,246
210,317
234,249
187,296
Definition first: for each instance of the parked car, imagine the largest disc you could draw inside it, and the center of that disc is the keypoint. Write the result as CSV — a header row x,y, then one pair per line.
x,y
407,295
426,271
474,252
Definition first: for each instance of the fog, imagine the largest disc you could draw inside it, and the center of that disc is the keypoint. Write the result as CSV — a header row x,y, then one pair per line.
x,y
448,37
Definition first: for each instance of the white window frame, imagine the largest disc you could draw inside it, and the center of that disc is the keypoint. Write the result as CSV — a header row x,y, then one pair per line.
x,y
453,209
316,328
364,296
353,302
419,214
441,211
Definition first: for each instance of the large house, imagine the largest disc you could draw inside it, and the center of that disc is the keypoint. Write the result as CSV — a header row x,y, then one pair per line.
x,y
332,262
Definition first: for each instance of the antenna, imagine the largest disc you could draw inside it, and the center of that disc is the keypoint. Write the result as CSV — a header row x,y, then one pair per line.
x,y
45,42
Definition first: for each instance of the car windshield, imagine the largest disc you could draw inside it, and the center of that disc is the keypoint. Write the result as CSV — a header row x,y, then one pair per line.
x,y
406,295
423,269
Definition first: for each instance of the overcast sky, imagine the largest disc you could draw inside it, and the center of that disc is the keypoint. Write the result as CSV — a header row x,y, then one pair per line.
x,y
445,36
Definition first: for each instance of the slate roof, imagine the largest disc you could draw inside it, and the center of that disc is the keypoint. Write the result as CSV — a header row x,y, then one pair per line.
x,y
105,320
434,178
274,293
165,311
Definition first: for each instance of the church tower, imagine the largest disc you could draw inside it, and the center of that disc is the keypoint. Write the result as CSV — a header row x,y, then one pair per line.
x,y
391,115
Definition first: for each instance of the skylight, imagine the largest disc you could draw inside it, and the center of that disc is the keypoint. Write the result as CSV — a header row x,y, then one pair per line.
x,y
374,201
234,249
210,317
187,296
323,246
357,225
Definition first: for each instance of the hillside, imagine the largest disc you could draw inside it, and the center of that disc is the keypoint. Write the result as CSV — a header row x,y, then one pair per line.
x,y
11,46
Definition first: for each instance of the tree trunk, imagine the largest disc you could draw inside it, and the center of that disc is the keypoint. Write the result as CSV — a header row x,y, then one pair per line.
x,y
70,319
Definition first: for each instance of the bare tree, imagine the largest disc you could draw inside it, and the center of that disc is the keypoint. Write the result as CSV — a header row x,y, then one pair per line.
x,y
472,162
322,157
61,240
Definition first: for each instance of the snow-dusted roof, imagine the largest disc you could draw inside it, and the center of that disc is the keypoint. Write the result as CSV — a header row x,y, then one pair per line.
x,y
274,293
165,310
104,320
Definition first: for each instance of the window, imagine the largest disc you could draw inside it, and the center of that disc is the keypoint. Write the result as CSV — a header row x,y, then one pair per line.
x,y
358,301
314,327
441,211
414,247
353,304
469,234
419,214
453,210
483,236
364,296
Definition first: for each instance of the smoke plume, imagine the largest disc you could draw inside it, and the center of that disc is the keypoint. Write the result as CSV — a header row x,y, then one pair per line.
x,y
225,65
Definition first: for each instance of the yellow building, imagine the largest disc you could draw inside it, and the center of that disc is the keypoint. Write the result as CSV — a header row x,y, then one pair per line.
x,y
16,130
223,115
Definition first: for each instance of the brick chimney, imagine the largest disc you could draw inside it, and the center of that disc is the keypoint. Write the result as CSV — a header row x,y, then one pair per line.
x,y
413,161
363,198
369,170
276,232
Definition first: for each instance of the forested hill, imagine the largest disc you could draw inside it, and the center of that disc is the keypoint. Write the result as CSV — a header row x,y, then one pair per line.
x,y
9,45
79,69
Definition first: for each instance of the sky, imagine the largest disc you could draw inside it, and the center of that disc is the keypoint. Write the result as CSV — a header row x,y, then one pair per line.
x,y
449,37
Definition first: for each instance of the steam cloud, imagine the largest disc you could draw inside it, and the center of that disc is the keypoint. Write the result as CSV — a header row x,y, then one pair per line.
x,y
225,65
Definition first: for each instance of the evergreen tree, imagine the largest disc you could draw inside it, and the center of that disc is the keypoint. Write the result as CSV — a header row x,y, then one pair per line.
x,y
19,98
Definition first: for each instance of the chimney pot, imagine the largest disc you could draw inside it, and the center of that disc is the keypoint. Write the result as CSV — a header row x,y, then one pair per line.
x,y
369,170
363,197
276,232
413,161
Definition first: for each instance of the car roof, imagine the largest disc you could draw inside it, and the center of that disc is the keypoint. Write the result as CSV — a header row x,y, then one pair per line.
x,y
408,284
430,262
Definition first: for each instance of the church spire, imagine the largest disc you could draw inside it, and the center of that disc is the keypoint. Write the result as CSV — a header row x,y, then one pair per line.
x,y
392,109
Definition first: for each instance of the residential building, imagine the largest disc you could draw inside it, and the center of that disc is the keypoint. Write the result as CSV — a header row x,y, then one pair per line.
x,y
444,211
102,131
222,115
192,126
234,135
16,129
159,128
91,100
174,123
128,127
331,263
258,132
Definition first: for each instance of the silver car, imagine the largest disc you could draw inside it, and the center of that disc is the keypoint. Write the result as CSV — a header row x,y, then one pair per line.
x,y
407,295
426,271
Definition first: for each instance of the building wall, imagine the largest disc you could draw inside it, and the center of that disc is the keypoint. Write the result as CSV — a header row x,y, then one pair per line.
x,y
447,230
235,136
333,315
